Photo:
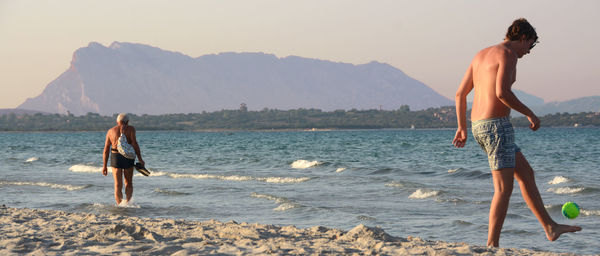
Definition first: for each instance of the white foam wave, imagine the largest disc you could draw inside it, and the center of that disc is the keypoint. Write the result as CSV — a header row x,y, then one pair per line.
x,y
284,203
283,179
43,184
423,193
558,180
158,173
565,190
269,197
590,212
32,159
86,168
340,169
395,184
303,164
128,204
232,177
286,206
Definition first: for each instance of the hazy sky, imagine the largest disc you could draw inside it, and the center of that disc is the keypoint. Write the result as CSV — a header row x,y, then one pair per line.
x,y
431,41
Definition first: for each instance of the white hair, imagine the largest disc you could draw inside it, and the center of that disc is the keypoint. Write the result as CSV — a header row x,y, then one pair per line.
x,y
122,118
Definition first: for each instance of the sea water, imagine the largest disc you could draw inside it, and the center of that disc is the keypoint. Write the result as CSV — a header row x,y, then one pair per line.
x,y
409,182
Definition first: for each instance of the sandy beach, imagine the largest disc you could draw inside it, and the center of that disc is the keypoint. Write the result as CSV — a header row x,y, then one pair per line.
x,y
51,232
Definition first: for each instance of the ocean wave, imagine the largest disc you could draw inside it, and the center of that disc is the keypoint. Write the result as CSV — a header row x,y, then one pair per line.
x,y
382,171
170,192
365,218
44,184
231,177
453,170
341,169
32,159
404,184
286,206
461,223
269,197
460,172
303,164
129,204
395,184
86,168
552,206
283,179
423,193
452,200
558,180
590,212
284,203
566,190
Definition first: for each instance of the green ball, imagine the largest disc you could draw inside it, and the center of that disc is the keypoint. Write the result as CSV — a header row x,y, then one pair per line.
x,y
570,210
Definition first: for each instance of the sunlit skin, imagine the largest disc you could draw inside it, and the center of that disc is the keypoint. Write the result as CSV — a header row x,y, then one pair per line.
x,y
491,75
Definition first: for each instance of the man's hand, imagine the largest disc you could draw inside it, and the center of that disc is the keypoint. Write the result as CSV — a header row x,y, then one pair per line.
x,y
460,139
104,170
534,122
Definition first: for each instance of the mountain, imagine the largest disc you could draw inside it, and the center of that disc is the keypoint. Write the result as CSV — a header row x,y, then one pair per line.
x,y
537,105
585,104
142,79
19,111
529,99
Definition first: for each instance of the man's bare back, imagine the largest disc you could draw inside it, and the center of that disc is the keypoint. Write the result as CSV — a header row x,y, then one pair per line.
x,y
485,68
114,133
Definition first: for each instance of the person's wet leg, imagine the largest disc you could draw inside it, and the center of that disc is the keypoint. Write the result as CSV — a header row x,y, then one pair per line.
x,y
503,186
531,194
118,185
128,173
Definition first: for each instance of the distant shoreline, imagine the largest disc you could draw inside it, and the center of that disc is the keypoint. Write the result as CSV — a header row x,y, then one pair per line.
x,y
291,130
277,120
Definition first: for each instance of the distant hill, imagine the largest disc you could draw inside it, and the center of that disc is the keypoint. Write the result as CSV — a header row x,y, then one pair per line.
x,y
585,104
142,79
18,111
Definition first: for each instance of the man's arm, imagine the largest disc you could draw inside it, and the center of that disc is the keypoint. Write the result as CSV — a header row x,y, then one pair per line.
x,y
506,68
105,154
461,108
135,145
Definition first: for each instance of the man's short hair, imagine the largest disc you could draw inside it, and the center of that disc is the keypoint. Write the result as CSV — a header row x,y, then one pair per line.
x,y
122,118
520,28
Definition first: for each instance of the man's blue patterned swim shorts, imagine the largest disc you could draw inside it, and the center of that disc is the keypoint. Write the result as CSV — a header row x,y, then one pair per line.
x,y
496,137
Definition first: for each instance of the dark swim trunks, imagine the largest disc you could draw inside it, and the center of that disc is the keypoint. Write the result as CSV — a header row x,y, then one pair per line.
x,y
496,137
119,161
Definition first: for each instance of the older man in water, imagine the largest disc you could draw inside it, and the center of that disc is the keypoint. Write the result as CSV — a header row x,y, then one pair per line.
x,y
122,166
491,75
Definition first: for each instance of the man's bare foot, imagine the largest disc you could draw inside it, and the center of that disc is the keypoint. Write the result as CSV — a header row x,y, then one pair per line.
x,y
558,229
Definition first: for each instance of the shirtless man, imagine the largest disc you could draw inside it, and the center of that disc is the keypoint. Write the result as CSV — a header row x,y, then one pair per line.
x,y
121,165
491,74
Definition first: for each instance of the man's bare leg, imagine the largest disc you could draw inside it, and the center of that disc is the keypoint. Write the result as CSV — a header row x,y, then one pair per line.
x,y
525,176
503,186
118,184
128,173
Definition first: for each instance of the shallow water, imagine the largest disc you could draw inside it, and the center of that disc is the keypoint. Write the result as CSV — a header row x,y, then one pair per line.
x,y
409,182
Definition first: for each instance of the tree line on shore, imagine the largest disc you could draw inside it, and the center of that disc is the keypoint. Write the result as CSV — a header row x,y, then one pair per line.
x,y
273,119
